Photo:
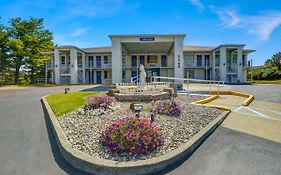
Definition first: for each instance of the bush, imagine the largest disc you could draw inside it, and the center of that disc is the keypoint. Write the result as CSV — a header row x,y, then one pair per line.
x,y
99,102
131,136
169,107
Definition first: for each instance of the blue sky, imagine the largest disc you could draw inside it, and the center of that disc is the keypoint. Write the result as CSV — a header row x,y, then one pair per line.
x,y
87,23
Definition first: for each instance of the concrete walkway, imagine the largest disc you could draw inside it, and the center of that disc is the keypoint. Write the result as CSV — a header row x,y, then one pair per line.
x,y
262,119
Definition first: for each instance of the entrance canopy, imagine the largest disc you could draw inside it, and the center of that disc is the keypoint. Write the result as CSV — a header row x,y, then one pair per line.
x,y
148,43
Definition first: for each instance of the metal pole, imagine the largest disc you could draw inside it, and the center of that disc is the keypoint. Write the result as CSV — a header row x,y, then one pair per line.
x,y
251,69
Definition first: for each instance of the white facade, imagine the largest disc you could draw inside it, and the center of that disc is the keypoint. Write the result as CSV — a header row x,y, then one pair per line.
x,y
163,55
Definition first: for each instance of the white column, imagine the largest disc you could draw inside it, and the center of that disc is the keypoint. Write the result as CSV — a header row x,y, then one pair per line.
x,y
73,66
223,64
213,66
239,64
52,75
57,65
116,61
178,57
83,68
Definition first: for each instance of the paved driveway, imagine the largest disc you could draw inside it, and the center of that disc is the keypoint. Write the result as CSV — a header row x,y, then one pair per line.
x,y
27,146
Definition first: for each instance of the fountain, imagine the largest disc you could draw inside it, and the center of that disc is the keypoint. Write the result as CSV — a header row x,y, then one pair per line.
x,y
142,90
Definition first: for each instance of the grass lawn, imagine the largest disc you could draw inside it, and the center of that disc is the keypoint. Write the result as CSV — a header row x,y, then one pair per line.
x,y
64,103
266,81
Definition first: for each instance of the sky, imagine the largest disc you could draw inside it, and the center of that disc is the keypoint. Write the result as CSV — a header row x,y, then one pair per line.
x,y
87,23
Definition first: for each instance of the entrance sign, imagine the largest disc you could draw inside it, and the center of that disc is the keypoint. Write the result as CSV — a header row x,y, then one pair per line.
x,y
147,39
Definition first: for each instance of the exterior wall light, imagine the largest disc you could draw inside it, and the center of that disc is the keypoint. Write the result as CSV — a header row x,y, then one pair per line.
x,y
224,64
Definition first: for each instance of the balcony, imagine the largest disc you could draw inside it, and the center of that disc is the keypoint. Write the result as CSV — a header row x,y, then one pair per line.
x,y
50,65
231,69
64,69
108,65
195,65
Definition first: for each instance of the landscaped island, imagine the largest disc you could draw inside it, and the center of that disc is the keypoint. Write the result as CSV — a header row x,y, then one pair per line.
x,y
110,129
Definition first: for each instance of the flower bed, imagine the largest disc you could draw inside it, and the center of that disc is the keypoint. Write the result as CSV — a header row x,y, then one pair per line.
x,y
84,130
135,136
171,107
102,102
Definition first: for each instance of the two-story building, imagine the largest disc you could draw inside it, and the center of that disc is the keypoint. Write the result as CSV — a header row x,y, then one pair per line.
x,y
161,54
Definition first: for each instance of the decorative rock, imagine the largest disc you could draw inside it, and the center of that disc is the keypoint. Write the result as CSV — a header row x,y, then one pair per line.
x,y
83,128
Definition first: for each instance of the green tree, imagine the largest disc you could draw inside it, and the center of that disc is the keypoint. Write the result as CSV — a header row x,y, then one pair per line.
x,y
4,59
276,59
27,41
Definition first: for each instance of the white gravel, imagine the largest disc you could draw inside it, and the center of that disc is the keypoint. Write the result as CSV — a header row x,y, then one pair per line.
x,y
83,129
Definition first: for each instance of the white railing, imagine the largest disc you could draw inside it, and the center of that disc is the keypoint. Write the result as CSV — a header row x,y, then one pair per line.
x,y
45,80
138,88
108,65
135,79
231,69
50,65
65,69
201,85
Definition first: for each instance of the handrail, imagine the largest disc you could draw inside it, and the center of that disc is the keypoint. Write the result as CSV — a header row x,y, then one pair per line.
x,y
219,84
135,79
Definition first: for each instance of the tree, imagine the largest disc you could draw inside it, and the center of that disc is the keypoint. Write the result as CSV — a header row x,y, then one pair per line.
x,y
276,59
27,41
4,60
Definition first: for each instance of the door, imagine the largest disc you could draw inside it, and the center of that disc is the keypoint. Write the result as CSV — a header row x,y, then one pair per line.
x,y
142,59
134,61
163,61
199,60
91,76
99,80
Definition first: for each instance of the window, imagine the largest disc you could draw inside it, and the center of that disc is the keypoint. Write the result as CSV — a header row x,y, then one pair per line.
x,y
163,61
152,59
199,60
105,76
134,61
244,62
105,60
98,61
63,60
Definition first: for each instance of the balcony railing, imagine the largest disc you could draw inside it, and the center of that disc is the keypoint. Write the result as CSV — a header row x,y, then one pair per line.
x,y
194,65
231,69
107,65
65,69
50,65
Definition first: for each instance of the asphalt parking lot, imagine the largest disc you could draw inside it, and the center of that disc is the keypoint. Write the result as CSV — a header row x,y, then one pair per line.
x,y
27,144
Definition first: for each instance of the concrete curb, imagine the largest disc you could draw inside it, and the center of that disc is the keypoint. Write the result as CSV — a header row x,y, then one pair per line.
x,y
249,97
209,99
97,165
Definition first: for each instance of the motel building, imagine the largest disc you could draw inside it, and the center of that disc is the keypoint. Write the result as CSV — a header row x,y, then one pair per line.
x,y
161,54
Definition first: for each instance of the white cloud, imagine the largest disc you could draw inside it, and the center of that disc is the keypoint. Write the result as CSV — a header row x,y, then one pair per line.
x,y
198,4
261,25
79,31
61,39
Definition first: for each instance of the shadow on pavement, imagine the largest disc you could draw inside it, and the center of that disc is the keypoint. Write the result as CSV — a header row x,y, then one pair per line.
x,y
63,164
97,88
